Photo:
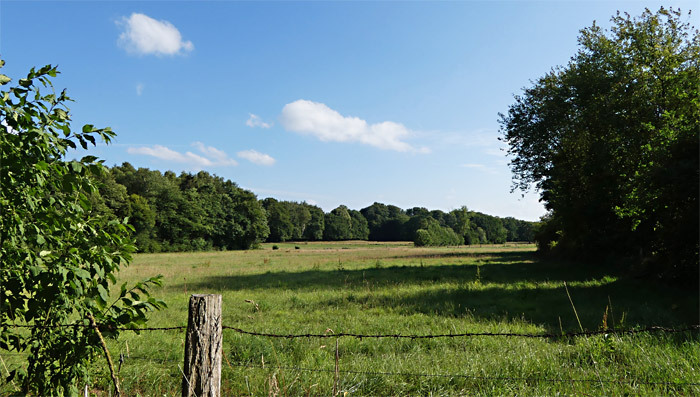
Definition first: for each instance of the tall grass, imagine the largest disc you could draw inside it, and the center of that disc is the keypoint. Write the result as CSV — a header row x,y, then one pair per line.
x,y
393,288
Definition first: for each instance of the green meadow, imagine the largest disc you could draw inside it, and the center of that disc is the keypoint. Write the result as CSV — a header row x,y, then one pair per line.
x,y
395,288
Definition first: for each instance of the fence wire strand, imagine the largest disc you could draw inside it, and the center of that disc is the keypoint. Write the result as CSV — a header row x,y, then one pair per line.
x,y
471,334
651,329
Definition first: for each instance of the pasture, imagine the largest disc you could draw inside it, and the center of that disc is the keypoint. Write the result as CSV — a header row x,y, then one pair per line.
x,y
395,288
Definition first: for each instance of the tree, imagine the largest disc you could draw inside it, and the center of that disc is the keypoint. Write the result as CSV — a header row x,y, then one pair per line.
x,y
359,229
385,222
338,225
278,220
143,219
610,141
459,221
433,234
246,219
417,220
300,216
492,227
314,228
59,255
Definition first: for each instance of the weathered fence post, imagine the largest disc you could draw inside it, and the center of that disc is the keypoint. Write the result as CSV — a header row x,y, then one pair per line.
x,y
202,374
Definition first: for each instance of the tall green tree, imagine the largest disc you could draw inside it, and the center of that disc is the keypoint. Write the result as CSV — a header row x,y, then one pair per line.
x,y
300,216
459,221
279,220
610,141
385,222
359,229
316,225
338,225
58,254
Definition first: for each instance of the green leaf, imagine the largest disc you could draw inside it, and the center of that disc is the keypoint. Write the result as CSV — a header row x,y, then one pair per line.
x,y
104,295
4,79
82,273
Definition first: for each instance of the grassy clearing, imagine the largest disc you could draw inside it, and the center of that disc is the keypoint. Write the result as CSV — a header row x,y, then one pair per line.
x,y
369,288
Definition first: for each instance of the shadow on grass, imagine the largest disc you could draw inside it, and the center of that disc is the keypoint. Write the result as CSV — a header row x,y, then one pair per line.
x,y
507,286
633,303
506,267
508,256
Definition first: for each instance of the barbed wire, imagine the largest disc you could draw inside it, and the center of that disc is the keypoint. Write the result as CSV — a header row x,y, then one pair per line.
x,y
473,377
651,329
471,334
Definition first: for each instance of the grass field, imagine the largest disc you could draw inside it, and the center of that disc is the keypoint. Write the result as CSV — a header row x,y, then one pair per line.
x,y
392,288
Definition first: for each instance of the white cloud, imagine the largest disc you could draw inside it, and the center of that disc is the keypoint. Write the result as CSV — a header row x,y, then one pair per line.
x,y
139,89
481,167
318,120
219,157
210,156
256,157
145,35
255,121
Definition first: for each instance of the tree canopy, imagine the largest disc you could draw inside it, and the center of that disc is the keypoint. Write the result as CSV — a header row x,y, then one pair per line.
x,y
611,142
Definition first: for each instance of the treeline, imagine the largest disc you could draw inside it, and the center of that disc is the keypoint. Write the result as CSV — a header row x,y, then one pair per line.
x,y
196,212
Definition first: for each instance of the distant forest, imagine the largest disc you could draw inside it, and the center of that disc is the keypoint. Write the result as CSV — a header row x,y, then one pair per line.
x,y
196,212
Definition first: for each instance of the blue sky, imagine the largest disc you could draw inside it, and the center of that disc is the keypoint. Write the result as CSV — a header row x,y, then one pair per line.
x,y
326,102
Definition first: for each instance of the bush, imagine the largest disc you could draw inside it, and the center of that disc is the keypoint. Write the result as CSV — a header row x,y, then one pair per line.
x,y
60,255
436,235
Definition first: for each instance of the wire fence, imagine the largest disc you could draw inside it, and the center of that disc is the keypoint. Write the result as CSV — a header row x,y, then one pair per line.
x,y
545,335
273,366
330,334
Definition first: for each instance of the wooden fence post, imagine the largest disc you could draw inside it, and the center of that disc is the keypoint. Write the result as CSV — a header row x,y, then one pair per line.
x,y
202,374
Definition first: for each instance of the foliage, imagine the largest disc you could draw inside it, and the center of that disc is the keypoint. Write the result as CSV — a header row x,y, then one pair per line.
x,y
493,227
59,254
190,212
195,212
385,222
314,228
278,220
359,229
432,233
458,220
338,225
611,139
289,220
